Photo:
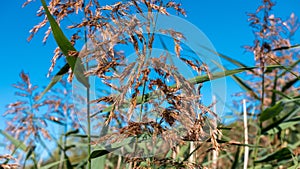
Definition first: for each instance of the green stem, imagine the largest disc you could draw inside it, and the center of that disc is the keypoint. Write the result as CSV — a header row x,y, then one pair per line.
x,y
142,104
262,85
88,102
257,140
88,117
89,125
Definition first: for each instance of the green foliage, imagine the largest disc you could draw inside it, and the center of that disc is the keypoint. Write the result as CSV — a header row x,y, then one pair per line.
x,y
15,142
271,112
279,155
274,130
66,47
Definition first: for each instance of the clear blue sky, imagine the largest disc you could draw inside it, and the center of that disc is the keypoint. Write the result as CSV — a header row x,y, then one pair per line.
x,y
224,22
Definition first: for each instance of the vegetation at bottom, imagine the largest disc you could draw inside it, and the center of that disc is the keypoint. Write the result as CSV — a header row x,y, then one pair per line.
x,y
147,113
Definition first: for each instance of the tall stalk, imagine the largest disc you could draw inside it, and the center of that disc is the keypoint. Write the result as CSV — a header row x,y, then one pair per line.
x,y
89,124
88,113
64,143
87,99
262,60
257,140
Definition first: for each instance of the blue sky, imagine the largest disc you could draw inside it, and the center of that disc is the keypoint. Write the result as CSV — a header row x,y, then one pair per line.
x,y
224,22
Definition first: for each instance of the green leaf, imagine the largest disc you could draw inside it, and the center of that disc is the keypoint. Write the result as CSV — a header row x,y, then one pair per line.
x,y
224,128
84,136
237,79
28,154
69,147
236,159
98,153
196,80
102,152
279,155
286,47
72,132
273,97
244,86
68,162
51,165
55,79
81,165
289,84
288,69
14,141
62,41
288,98
275,126
270,69
65,46
99,162
271,112
281,94
282,126
229,59
295,166
199,79
205,78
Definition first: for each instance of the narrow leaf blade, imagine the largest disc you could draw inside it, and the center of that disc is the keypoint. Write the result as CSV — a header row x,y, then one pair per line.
x,y
66,47
55,79
51,165
271,112
100,153
279,155
14,141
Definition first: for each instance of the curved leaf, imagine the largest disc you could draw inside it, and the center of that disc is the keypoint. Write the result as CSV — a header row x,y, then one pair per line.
x,y
51,165
55,79
279,155
65,46
286,47
15,142
100,153
282,126
196,80
244,86
283,123
72,132
289,84
271,112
